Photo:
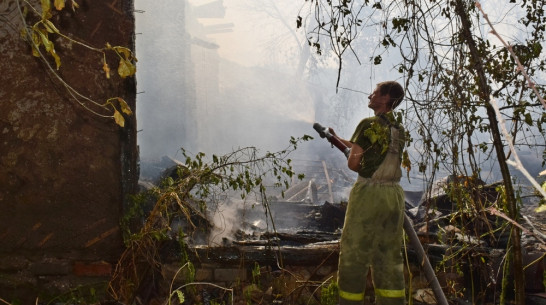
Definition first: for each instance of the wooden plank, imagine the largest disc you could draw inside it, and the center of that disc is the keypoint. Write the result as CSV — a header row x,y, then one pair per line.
x,y
331,195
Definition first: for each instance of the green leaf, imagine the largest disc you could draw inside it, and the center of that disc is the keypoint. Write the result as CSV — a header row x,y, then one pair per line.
x,y
180,295
36,42
106,69
118,117
46,9
528,119
406,162
400,24
126,68
124,51
48,45
59,4
379,134
50,48
50,27
124,106
57,58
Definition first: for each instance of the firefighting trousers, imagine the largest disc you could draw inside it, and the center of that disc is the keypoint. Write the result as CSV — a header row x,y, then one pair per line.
x,y
372,239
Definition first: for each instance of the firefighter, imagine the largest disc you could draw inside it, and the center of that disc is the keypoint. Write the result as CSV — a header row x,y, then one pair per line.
x,y
373,229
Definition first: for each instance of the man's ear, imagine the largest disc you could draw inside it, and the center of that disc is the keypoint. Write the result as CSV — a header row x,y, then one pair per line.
x,y
387,100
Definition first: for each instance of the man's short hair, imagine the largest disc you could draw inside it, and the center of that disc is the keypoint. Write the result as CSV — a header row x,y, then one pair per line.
x,y
394,90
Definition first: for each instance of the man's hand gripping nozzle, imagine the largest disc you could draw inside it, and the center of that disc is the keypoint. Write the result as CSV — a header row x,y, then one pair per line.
x,y
325,133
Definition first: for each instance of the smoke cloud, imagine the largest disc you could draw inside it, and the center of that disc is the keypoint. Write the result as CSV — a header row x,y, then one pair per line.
x,y
214,76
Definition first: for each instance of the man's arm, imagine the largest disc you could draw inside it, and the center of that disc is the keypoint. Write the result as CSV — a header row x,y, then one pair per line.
x,y
353,162
345,142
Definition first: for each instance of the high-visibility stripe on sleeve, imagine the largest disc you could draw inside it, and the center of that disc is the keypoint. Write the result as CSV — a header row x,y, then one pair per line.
x,y
349,296
390,293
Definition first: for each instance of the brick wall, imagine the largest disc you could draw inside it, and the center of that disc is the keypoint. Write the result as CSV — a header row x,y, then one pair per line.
x,y
65,172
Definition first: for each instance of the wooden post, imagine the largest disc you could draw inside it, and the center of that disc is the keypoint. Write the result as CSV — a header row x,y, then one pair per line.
x,y
328,181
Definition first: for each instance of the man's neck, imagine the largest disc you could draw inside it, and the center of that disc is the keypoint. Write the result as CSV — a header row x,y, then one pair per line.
x,y
380,112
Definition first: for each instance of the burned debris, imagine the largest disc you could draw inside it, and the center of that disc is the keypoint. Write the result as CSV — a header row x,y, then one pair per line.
x,y
466,244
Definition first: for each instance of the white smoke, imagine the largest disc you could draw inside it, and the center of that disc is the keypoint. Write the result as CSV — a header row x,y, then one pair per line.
x,y
234,219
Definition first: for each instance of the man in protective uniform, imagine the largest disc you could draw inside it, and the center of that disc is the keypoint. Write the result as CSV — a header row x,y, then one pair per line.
x,y
373,229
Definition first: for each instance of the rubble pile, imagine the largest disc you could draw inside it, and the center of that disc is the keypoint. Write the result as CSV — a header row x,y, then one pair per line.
x,y
466,244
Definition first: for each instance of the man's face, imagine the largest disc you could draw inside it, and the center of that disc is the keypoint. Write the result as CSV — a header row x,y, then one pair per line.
x,y
377,101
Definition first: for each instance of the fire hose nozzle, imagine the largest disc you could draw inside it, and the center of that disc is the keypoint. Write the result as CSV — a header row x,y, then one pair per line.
x,y
325,133
322,131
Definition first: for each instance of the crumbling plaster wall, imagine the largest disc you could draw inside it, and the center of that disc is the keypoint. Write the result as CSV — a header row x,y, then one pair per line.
x,y
64,171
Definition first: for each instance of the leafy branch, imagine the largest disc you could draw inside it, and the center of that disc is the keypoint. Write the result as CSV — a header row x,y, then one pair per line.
x,y
517,163
449,71
520,67
38,37
340,23
186,195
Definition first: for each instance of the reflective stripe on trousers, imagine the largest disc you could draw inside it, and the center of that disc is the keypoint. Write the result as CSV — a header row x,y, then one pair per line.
x,y
351,296
386,293
380,293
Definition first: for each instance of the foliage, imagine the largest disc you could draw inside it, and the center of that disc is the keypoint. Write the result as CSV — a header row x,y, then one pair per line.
x,y
81,294
256,274
451,71
329,294
439,75
38,37
380,134
467,232
186,195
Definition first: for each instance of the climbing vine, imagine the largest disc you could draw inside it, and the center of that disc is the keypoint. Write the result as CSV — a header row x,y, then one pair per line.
x,y
40,36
